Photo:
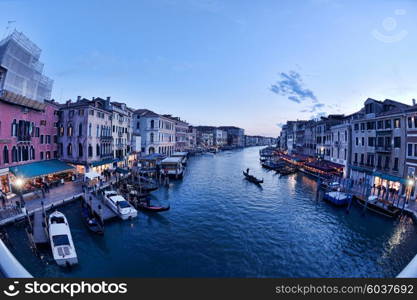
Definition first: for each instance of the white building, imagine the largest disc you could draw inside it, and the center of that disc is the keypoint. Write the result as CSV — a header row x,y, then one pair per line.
x,y
157,132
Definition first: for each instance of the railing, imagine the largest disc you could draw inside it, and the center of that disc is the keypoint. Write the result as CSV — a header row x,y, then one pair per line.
x,y
383,148
10,266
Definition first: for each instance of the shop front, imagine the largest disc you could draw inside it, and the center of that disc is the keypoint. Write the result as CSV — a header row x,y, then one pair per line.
x,y
103,165
4,180
388,186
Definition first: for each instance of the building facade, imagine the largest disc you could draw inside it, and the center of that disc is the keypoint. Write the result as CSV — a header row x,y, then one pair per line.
x,y
27,134
85,133
157,132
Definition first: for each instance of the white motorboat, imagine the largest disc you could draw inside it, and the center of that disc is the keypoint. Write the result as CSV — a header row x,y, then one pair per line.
x,y
62,246
119,205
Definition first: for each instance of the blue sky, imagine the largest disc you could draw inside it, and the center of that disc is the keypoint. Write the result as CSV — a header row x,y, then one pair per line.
x,y
253,64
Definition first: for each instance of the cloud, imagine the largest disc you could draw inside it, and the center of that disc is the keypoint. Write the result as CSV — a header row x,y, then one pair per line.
x,y
314,107
291,86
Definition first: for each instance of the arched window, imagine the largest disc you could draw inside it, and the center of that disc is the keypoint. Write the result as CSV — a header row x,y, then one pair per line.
x,y
32,153
80,150
61,130
25,153
14,128
98,150
90,151
69,149
152,124
151,137
89,129
5,155
69,130
14,154
19,153
80,130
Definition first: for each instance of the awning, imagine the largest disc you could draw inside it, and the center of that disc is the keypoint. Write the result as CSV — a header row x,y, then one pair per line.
x,y
122,171
389,177
103,162
92,174
41,168
359,169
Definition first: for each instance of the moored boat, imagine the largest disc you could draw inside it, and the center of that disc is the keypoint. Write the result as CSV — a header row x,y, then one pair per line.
x,y
119,205
92,223
379,206
152,208
62,246
338,198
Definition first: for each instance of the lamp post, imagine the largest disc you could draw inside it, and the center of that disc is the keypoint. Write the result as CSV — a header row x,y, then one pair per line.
x,y
19,184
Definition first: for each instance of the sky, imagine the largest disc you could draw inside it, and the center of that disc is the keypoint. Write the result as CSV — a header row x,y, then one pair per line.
x,y
252,64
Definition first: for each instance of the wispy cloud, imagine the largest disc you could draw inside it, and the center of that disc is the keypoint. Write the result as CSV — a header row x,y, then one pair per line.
x,y
291,86
314,108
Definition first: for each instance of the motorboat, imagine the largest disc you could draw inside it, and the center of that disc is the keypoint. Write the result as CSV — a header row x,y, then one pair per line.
x,y
338,198
119,205
62,246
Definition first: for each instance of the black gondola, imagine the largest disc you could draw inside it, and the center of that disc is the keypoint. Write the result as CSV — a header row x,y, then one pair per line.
x,y
91,221
146,207
252,178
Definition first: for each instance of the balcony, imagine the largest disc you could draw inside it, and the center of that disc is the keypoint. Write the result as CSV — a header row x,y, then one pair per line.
x,y
24,138
383,149
384,132
108,155
107,137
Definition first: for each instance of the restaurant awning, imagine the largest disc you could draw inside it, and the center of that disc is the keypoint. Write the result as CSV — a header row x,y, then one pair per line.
x,y
41,168
389,177
103,162
122,171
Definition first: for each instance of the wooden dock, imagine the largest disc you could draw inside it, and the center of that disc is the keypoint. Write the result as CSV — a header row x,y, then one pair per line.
x,y
39,229
100,209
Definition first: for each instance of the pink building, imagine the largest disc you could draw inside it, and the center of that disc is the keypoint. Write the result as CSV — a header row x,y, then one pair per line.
x,y
28,133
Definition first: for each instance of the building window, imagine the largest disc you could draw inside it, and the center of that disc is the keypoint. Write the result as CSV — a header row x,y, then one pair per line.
x,y
387,124
397,123
55,154
371,141
32,153
48,139
69,130
80,129
69,149
80,150
409,149
357,141
14,154
395,168
41,155
363,141
151,137
397,142
410,122
356,158
90,151
387,161
48,155
380,125
89,129
5,155
152,124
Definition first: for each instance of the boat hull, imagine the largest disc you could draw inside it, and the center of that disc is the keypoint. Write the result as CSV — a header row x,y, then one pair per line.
x,y
337,201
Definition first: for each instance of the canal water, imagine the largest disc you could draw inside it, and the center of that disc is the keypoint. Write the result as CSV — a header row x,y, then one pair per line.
x,y
220,225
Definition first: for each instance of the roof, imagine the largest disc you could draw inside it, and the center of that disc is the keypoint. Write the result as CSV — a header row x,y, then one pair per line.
x,y
145,113
153,156
41,168
172,160
13,98
104,162
180,154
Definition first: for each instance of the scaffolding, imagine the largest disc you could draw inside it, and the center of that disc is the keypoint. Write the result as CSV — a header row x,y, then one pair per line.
x,y
20,57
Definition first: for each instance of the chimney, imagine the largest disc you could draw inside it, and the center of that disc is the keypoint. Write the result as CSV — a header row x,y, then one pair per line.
x,y
78,98
94,98
68,102
414,102
108,99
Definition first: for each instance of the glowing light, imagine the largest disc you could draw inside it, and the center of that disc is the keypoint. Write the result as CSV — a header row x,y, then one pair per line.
x,y
410,182
19,182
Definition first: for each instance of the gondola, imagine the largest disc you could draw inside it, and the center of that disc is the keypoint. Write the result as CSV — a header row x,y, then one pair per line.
x,y
146,207
90,221
252,178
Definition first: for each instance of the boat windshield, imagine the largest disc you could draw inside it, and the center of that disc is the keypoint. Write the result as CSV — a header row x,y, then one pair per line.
x,y
60,240
123,204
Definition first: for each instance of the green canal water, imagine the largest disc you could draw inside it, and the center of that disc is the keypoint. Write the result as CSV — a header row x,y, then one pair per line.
x,y
220,225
